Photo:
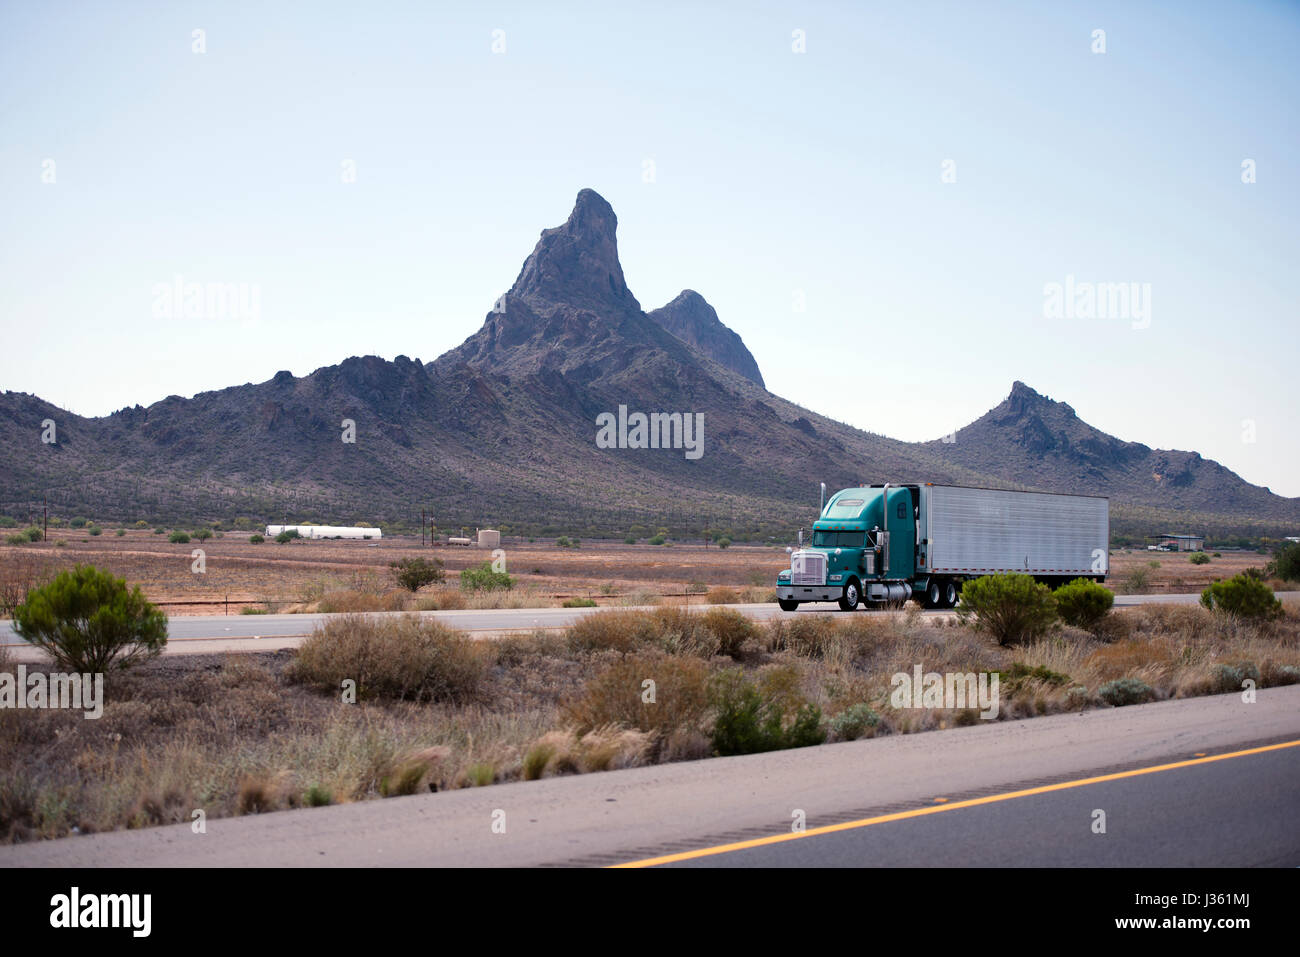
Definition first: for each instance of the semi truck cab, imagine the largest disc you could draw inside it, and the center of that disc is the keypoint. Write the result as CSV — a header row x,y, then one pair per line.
x,y
861,551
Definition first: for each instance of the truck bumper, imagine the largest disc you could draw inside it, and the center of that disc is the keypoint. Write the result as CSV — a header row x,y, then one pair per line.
x,y
809,592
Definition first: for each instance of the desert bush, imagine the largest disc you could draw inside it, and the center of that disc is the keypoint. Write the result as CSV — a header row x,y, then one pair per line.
x,y
751,717
1010,607
178,538
202,534
34,534
256,539
731,628
657,540
288,535
853,722
121,532
1125,691
1226,677
414,573
809,636
1200,558
17,539
484,578
721,595
1083,603
1243,597
89,622
1136,581
402,658
578,603
620,695
78,522
94,530
1286,564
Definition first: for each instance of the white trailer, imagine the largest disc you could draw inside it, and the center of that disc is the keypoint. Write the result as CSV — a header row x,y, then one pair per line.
x,y
979,531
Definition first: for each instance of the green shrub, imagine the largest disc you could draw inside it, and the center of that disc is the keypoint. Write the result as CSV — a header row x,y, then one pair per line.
x,y
121,532
88,622
484,578
1243,597
1200,558
578,603
34,534
1125,691
256,539
252,610
1010,607
1286,563
657,540
853,722
17,539
7,522
724,542
630,540
1083,603
1231,677
94,530
414,573
288,535
202,534
78,522
754,717
141,523
160,530
178,538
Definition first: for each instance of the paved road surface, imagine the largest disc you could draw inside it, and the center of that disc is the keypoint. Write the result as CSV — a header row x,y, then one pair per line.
x,y
1234,809
192,634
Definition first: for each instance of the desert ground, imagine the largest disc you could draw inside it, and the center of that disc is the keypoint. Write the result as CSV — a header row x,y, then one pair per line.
x,y
355,575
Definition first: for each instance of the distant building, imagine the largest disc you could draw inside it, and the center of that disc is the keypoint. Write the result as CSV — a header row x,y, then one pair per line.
x,y
1183,543
489,538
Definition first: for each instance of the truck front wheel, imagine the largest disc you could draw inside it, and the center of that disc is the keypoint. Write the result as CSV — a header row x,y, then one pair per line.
x,y
787,605
849,601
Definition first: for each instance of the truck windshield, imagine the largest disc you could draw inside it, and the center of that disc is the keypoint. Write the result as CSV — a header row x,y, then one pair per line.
x,y
837,539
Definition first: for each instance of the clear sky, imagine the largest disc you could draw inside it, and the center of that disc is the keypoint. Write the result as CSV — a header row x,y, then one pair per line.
x,y
780,179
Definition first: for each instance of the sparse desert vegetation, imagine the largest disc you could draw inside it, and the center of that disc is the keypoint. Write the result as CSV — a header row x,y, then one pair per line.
x,y
242,734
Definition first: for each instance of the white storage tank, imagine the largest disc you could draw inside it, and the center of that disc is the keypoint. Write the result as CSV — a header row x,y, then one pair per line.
x,y
489,538
326,531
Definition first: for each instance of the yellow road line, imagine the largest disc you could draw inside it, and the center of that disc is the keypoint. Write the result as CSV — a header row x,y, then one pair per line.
x,y
942,808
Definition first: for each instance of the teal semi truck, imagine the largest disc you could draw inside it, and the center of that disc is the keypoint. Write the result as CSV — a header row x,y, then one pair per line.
x,y
885,544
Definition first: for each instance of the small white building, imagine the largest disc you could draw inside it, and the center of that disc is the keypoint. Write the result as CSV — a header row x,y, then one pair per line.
x,y
325,531
489,538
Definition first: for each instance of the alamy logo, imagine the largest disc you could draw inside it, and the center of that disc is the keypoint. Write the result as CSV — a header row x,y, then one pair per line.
x,y
658,430
951,690
57,690
102,910
179,299
1098,300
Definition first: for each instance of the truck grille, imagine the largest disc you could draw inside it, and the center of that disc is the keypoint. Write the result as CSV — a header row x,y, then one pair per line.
x,y
807,568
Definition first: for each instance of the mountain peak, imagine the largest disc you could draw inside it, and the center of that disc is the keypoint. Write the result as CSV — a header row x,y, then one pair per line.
x,y
691,319
577,262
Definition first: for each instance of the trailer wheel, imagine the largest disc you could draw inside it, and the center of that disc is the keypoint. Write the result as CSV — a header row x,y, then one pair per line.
x,y
950,594
849,601
933,596
787,605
